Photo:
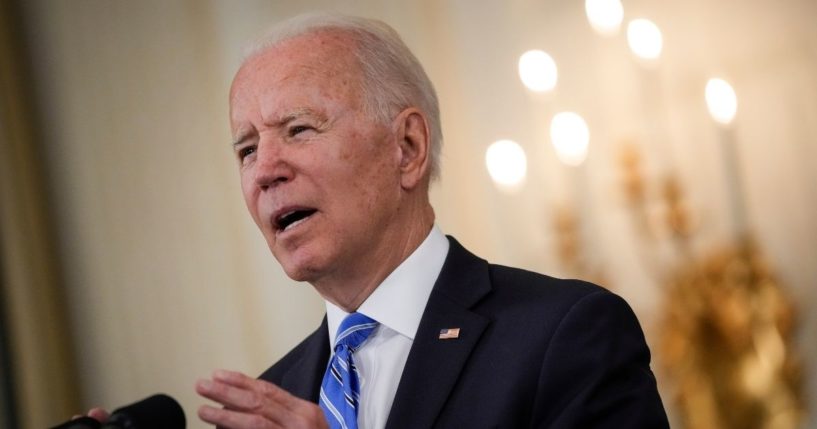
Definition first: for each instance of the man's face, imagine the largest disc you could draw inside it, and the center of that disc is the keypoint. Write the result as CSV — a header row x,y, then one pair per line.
x,y
320,177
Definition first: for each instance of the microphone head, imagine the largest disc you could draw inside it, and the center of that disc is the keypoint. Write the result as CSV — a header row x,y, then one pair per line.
x,y
155,412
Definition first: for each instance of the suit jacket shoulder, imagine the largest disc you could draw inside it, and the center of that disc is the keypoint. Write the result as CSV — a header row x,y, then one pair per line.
x,y
533,351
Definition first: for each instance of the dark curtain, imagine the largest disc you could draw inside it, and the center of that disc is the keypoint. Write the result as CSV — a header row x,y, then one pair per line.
x,y
37,373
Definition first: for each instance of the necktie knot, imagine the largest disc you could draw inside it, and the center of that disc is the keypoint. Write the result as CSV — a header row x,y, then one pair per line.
x,y
354,330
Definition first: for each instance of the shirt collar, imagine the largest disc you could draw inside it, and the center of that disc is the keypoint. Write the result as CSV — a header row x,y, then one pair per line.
x,y
399,301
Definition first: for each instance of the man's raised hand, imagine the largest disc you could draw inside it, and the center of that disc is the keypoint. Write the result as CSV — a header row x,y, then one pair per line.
x,y
252,403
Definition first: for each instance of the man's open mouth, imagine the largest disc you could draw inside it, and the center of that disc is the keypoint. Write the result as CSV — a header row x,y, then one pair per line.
x,y
291,218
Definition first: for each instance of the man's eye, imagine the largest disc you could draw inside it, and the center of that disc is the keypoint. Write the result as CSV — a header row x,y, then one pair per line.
x,y
245,152
298,129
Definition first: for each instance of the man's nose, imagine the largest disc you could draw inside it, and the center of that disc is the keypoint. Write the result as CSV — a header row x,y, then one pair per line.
x,y
272,166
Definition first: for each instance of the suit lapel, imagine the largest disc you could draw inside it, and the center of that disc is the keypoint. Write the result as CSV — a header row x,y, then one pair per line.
x,y
304,377
434,364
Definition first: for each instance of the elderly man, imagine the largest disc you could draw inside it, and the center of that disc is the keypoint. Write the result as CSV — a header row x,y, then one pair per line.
x,y
337,135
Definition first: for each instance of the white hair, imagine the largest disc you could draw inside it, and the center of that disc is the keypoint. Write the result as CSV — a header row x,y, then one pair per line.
x,y
393,78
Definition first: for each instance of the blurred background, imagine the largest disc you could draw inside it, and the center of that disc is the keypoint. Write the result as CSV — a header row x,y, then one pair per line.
x,y
663,149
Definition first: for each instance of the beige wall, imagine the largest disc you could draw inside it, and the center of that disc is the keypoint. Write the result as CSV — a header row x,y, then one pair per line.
x,y
168,278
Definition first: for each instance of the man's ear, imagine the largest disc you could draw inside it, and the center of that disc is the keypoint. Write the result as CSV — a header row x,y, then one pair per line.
x,y
414,140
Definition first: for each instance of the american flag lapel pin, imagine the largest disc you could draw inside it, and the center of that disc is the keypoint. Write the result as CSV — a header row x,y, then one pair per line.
x,y
449,334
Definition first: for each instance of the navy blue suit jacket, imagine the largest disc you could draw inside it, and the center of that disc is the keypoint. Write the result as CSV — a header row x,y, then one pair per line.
x,y
533,351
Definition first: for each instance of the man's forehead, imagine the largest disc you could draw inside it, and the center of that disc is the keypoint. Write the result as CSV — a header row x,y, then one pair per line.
x,y
300,76
319,50
328,54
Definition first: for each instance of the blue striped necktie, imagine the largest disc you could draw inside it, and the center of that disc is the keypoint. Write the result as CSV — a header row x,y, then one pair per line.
x,y
340,390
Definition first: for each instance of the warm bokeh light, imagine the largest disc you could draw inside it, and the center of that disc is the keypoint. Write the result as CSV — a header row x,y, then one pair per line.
x,y
605,16
570,137
507,164
537,71
721,100
645,39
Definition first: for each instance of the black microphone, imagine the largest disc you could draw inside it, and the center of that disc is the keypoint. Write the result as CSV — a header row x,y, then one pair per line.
x,y
84,422
154,412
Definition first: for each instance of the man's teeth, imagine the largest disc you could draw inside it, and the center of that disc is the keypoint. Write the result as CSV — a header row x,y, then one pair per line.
x,y
293,218
294,223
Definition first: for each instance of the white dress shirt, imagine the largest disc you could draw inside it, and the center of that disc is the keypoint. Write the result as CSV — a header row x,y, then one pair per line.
x,y
397,304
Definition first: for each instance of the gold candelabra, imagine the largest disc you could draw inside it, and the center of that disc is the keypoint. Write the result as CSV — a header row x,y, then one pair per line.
x,y
725,340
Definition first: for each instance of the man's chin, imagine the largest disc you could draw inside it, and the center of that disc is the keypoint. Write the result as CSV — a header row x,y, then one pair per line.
x,y
306,263
300,271
298,276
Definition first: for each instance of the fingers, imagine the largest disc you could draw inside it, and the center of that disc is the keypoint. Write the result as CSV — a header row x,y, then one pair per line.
x,y
233,419
240,392
253,403
236,398
99,414
259,387
311,417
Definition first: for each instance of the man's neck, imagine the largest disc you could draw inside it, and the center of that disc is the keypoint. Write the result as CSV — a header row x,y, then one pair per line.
x,y
351,290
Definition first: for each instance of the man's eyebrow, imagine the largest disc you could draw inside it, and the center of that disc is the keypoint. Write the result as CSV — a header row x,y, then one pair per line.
x,y
291,116
245,133
242,136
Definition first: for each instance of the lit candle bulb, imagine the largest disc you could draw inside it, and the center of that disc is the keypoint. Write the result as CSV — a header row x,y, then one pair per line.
x,y
722,103
647,44
537,70
570,137
644,39
604,15
507,164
